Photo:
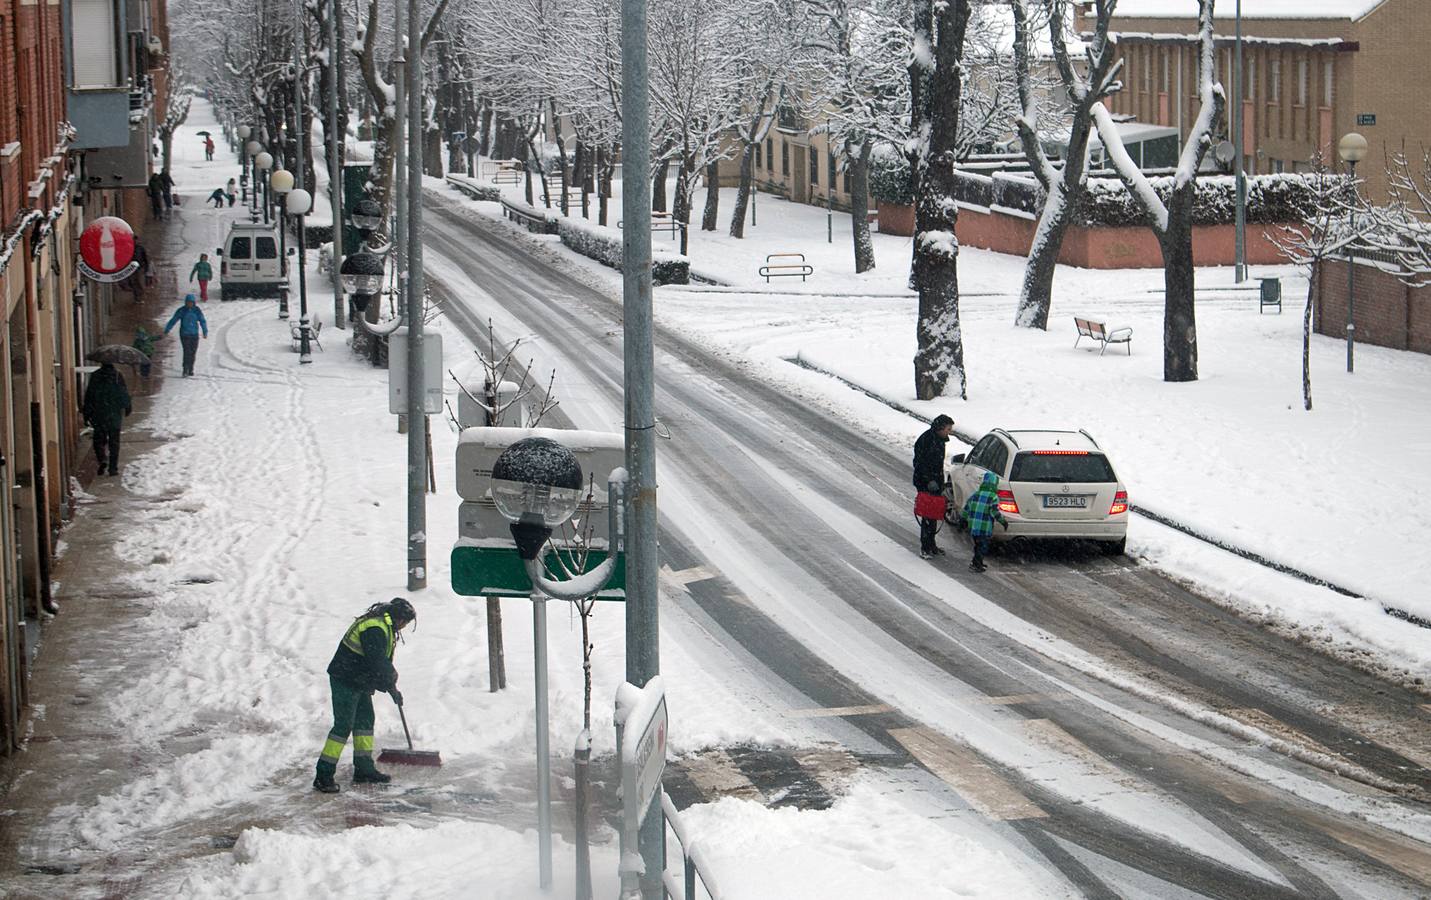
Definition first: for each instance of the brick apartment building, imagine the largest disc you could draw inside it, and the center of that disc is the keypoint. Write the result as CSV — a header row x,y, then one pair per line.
x,y
1313,71
76,117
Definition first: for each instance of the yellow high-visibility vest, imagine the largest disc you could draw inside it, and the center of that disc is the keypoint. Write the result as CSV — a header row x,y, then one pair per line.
x,y
353,640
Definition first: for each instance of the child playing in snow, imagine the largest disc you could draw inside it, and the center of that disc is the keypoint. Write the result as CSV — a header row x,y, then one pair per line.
x,y
205,272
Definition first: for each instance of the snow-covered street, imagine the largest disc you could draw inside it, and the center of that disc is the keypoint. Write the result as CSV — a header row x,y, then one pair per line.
x,y
847,720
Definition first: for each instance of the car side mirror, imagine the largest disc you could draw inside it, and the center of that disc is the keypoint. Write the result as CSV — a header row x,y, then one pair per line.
x,y
218,251
956,458
292,251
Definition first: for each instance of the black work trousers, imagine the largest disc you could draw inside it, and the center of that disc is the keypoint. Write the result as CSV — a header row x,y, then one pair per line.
x,y
106,447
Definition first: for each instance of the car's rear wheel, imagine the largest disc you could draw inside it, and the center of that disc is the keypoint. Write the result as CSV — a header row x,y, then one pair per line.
x,y
1115,548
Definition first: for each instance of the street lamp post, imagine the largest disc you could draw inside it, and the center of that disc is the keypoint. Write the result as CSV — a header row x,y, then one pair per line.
x,y
1240,215
536,485
281,182
263,162
1352,149
253,149
243,132
830,187
300,202
362,274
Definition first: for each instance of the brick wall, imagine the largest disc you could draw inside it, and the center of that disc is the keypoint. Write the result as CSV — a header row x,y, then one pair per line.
x,y
1388,313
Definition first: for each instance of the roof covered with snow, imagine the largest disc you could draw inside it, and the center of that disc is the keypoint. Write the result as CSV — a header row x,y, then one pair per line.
x,y
1251,9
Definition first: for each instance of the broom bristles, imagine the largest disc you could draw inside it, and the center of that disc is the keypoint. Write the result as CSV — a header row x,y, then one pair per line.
x,y
411,757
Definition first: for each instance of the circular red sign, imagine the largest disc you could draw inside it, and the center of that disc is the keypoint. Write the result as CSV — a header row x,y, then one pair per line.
x,y
107,245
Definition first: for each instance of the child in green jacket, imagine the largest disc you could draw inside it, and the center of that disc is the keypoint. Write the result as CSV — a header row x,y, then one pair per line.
x,y
205,273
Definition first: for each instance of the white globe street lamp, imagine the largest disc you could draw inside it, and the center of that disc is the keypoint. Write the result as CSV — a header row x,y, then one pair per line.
x,y
1352,149
280,181
298,203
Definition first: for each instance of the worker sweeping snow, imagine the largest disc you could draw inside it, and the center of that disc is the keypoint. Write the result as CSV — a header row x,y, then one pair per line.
x,y
363,664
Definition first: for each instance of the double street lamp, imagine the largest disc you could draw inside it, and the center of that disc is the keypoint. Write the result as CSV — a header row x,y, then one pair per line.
x,y
263,162
299,203
243,131
281,182
1352,149
252,149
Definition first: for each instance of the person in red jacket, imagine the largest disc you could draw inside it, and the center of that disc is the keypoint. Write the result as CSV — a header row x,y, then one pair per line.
x,y
362,664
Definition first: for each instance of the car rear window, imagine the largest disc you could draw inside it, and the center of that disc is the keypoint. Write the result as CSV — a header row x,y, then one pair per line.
x,y
267,249
1079,468
238,248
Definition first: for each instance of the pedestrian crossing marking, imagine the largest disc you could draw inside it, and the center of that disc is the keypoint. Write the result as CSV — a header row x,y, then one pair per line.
x,y
717,775
873,709
1014,699
961,768
688,576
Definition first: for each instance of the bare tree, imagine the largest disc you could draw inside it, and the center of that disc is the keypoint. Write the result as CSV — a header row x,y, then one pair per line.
x,y
1401,229
1063,185
938,62
1171,218
1321,234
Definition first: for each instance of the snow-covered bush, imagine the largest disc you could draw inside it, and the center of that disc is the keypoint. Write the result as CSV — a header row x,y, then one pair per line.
x,y
1271,199
604,246
474,190
315,236
889,176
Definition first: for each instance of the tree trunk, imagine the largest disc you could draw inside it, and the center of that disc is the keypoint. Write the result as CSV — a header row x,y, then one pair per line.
x,y
940,353
607,168
859,169
920,108
484,131
1179,317
712,211
1307,339
1035,296
742,193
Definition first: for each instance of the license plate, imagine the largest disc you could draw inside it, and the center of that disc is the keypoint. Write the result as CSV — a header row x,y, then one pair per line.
x,y
1065,501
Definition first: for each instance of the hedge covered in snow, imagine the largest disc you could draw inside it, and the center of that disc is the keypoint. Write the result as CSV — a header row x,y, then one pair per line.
x,y
1271,199
604,245
474,190
889,176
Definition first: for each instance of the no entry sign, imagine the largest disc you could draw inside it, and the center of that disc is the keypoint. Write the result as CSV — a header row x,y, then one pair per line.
x,y
107,250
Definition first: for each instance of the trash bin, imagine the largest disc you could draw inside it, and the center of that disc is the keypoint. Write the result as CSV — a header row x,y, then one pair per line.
x,y
1271,294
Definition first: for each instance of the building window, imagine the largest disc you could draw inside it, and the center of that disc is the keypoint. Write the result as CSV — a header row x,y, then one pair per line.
x,y
96,50
1249,77
770,154
1165,56
832,183
1274,81
757,155
814,166
1301,82
1147,62
1277,166
1328,83
784,157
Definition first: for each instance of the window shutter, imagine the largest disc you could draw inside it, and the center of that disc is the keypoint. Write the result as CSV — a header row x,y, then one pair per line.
x,y
96,58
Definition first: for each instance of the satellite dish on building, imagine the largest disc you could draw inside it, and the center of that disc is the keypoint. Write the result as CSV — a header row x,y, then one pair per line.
x,y
1225,152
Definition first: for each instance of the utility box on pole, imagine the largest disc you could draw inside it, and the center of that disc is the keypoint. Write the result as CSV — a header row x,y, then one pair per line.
x,y
431,373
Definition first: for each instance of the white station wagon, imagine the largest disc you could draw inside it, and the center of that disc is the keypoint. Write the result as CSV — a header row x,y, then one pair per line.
x,y
1052,484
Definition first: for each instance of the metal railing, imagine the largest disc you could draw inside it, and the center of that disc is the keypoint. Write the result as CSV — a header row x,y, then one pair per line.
x,y
694,867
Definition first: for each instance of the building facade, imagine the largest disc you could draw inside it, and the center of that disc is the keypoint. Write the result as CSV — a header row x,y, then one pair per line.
x,y
54,179
1312,71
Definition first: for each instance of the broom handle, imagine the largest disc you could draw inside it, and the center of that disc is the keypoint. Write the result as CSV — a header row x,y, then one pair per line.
x,y
403,716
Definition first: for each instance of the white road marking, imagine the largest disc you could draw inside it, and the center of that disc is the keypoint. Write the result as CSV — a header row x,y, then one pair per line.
x,y
716,776
686,576
830,711
962,769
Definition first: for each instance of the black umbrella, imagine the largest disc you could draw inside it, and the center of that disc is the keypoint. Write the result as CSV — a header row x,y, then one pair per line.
x,y
121,354
204,133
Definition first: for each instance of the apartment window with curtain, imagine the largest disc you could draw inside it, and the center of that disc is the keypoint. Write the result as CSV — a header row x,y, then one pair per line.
x,y
814,167
784,157
1328,83
1301,82
770,154
1249,77
1274,81
96,44
831,171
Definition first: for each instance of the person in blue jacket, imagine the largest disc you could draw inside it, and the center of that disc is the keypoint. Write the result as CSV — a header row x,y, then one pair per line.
x,y
190,320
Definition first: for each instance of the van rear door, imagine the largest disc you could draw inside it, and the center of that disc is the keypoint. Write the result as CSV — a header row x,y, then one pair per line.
x,y
240,255
266,255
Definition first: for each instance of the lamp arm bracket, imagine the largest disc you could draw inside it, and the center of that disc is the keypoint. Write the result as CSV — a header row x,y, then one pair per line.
x,y
578,588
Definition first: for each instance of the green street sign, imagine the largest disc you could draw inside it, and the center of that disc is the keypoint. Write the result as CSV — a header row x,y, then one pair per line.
x,y
490,567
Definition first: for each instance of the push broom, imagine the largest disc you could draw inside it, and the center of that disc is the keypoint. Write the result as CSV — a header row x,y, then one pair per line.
x,y
409,757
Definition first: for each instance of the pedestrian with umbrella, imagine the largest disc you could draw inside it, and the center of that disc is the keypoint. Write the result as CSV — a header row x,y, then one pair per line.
x,y
208,146
106,403
191,322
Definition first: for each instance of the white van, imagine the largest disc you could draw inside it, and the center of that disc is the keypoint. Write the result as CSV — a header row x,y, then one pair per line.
x,y
248,262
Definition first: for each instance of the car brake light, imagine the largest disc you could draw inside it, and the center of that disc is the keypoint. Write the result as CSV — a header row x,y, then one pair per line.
x,y
1007,503
1120,503
224,267
1060,453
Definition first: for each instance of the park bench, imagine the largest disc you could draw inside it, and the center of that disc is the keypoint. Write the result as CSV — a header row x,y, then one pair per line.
x,y
503,171
795,266
295,332
1087,328
664,221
